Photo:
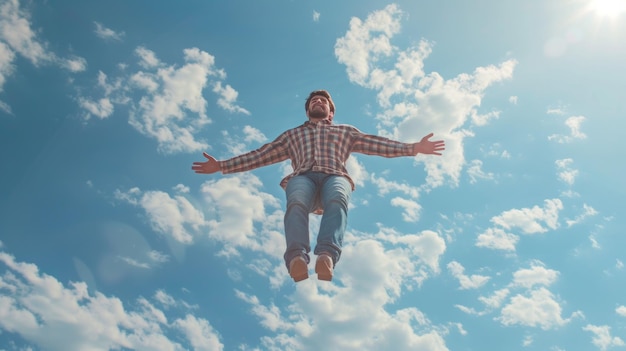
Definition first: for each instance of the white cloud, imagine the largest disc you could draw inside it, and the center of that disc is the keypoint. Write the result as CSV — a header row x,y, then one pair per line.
x,y
102,108
411,209
6,63
602,337
538,308
413,100
475,172
474,281
238,226
496,299
621,310
55,317
498,239
74,64
227,98
200,333
528,220
483,119
16,31
253,135
566,173
588,211
513,100
174,217
316,16
387,186
357,171
147,58
171,107
574,124
537,274
107,33
18,37
369,277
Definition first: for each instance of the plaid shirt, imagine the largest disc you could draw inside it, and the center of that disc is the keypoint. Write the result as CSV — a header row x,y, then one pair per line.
x,y
319,147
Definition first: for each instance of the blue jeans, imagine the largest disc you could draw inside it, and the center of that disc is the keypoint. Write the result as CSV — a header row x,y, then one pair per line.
x,y
305,193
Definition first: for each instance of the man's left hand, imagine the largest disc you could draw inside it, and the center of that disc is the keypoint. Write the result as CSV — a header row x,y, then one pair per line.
x,y
428,147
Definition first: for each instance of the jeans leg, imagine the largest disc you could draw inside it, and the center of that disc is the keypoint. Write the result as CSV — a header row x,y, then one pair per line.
x,y
300,194
335,196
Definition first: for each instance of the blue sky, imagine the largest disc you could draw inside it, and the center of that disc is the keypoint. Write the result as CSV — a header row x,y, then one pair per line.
x,y
512,240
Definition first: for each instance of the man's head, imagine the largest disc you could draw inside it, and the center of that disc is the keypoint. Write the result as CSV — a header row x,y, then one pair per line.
x,y
319,105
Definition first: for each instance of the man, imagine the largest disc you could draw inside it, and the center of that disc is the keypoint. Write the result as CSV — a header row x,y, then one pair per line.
x,y
320,183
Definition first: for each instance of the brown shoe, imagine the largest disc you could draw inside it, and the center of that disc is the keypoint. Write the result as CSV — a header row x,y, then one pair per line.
x,y
324,266
298,269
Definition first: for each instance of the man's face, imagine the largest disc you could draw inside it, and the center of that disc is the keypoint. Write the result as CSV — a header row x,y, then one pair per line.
x,y
319,108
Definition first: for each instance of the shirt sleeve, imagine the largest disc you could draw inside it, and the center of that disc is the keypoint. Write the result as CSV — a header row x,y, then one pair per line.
x,y
270,153
380,146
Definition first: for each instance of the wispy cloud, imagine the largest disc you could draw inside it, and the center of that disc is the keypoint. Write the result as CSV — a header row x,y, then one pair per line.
x,y
316,16
17,37
475,172
107,33
574,124
474,281
602,337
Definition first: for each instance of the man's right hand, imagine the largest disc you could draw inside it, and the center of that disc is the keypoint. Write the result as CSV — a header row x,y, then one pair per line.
x,y
210,166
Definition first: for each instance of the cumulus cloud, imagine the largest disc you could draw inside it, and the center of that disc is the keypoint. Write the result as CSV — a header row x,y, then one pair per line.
x,y
170,107
538,308
56,317
411,99
357,170
526,300
537,274
346,313
498,239
527,220
173,216
531,220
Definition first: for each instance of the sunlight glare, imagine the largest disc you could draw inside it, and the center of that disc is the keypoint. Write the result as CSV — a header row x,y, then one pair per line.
x,y
608,8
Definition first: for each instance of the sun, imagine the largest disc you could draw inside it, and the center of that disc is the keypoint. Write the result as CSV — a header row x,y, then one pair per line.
x,y
608,8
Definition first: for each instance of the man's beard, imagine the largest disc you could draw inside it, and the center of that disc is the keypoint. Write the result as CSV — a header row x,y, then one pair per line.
x,y
318,113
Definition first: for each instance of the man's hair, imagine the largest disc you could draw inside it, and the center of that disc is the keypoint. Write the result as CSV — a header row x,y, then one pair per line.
x,y
323,93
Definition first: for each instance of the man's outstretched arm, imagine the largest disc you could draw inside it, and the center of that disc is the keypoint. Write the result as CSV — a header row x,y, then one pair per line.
x,y
428,147
211,165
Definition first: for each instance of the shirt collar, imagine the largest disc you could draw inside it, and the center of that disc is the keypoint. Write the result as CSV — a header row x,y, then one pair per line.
x,y
327,121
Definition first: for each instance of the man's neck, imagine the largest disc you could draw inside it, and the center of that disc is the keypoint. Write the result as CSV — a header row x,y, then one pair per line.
x,y
320,120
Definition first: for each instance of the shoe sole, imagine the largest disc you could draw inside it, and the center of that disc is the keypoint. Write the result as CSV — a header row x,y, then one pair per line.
x,y
323,271
299,270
